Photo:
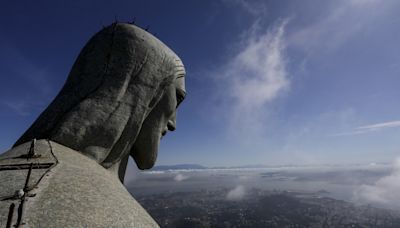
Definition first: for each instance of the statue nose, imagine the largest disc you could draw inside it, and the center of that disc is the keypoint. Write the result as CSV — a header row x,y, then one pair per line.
x,y
171,125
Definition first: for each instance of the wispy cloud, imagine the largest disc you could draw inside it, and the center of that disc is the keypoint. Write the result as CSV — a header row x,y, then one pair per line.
x,y
341,22
380,126
255,76
384,191
254,7
34,85
22,107
258,72
371,128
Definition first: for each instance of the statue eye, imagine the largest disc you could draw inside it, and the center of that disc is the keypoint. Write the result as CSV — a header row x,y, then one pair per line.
x,y
180,96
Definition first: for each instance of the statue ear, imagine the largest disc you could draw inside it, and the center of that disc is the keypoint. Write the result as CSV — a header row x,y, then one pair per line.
x,y
121,147
146,101
160,91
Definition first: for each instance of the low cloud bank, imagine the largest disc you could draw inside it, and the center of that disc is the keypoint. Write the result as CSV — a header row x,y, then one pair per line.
x,y
236,193
384,192
180,177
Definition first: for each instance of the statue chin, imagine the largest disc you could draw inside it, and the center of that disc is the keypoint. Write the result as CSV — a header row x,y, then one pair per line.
x,y
145,149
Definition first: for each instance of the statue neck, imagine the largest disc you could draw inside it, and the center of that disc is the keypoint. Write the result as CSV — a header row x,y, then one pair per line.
x,y
119,168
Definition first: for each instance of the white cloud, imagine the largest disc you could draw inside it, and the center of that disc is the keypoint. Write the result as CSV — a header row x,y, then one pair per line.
x,y
180,177
21,108
379,126
35,76
340,22
255,77
236,193
259,70
370,128
253,7
34,88
363,3
350,133
384,191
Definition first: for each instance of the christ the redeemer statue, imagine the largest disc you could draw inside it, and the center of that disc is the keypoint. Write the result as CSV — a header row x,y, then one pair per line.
x,y
67,169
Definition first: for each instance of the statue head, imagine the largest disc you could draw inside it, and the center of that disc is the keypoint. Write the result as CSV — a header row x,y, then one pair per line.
x,y
119,99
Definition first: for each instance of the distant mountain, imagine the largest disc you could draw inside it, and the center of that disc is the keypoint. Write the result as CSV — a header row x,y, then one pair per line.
x,y
253,166
179,166
256,166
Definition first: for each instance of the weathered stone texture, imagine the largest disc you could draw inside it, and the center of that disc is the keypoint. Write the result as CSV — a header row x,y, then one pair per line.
x,y
76,192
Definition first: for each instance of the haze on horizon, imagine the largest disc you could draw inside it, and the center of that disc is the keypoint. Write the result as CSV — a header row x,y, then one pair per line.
x,y
269,82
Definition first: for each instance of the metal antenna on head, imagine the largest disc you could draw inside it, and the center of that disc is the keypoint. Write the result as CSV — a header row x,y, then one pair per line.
x,y
102,24
133,20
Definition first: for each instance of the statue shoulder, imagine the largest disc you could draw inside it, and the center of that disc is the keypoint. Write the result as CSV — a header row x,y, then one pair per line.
x,y
64,187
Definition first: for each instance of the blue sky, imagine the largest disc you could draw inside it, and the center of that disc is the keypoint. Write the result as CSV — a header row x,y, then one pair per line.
x,y
269,82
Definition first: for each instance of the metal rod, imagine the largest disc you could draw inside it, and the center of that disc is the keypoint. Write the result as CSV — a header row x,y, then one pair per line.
x,y
31,152
21,205
26,166
27,177
10,215
20,212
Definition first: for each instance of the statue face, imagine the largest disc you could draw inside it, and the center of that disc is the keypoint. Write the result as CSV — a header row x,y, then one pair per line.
x,y
161,119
